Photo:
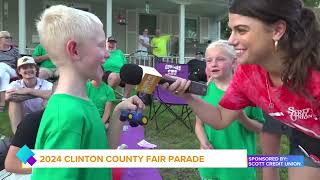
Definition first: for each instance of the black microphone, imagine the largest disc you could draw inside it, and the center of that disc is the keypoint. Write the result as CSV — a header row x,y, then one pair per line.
x,y
133,74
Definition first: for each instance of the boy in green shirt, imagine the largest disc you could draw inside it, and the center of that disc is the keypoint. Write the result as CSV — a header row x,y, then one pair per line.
x,y
74,39
47,68
220,62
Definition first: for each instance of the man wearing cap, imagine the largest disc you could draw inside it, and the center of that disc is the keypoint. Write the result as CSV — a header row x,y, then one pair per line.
x,y
116,59
113,65
29,93
8,61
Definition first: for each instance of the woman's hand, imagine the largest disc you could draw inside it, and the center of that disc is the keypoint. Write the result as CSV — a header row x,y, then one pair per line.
x,y
179,86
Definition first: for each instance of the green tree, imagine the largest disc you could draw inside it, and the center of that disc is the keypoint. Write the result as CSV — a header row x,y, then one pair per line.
x,y
224,31
311,3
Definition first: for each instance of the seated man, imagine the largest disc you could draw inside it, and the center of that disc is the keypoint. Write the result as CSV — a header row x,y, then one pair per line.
x,y
113,65
197,68
47,68
8,61
28,93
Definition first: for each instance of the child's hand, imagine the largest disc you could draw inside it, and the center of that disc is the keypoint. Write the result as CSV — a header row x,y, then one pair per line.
x,y
206,145
133,103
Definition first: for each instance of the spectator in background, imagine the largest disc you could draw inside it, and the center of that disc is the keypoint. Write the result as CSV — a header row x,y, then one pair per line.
x,y
116,57
159,44
47,68
36,90
8,62
25,135
197,68
102,95
113,65
143,46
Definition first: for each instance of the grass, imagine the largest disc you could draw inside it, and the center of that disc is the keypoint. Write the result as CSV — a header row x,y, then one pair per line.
x,y
5,128
176,136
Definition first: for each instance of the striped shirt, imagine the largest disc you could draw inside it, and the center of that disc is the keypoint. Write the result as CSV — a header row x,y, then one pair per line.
x,y
10,57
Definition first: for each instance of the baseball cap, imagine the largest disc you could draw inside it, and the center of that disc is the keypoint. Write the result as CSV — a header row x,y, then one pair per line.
x,y
111,38
25,60
199,52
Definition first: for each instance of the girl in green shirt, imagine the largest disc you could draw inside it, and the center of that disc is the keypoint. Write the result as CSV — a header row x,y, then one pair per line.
x,y
220,63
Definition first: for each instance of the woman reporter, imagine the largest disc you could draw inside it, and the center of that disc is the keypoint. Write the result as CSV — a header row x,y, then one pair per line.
x,y
277,45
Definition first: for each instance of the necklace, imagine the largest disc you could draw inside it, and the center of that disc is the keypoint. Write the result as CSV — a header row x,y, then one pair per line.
x,y
271,105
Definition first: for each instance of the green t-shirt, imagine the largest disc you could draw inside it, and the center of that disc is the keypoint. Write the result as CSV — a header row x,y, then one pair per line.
x,y
161,45
115,61
235,136
40,51
100,95
71,122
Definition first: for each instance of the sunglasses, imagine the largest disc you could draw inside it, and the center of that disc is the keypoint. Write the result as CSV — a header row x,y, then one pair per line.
x,y
7,37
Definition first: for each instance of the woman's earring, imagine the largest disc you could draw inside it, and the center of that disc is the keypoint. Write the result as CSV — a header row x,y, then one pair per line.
x,y
276,45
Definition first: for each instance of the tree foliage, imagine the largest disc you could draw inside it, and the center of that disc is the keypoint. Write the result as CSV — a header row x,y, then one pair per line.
x,y
311,3
225,31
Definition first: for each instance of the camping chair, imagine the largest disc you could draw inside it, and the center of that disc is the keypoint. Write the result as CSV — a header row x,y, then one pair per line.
x,y
175,106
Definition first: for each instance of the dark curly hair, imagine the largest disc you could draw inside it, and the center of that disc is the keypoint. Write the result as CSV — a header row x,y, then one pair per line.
x,y
300,42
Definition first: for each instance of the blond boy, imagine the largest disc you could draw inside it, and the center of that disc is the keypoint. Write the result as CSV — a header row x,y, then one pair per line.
x,y
75,42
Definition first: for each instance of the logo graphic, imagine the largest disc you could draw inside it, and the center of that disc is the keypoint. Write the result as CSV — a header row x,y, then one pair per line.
x,y
25,60
26,155
296,114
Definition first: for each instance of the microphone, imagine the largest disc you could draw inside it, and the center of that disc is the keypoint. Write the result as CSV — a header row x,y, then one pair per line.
x,y
147,78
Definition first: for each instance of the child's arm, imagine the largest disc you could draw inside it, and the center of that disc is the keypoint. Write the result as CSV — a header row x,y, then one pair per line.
x,y
106,113
13,164
250,124
201,135
115,128
39,59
